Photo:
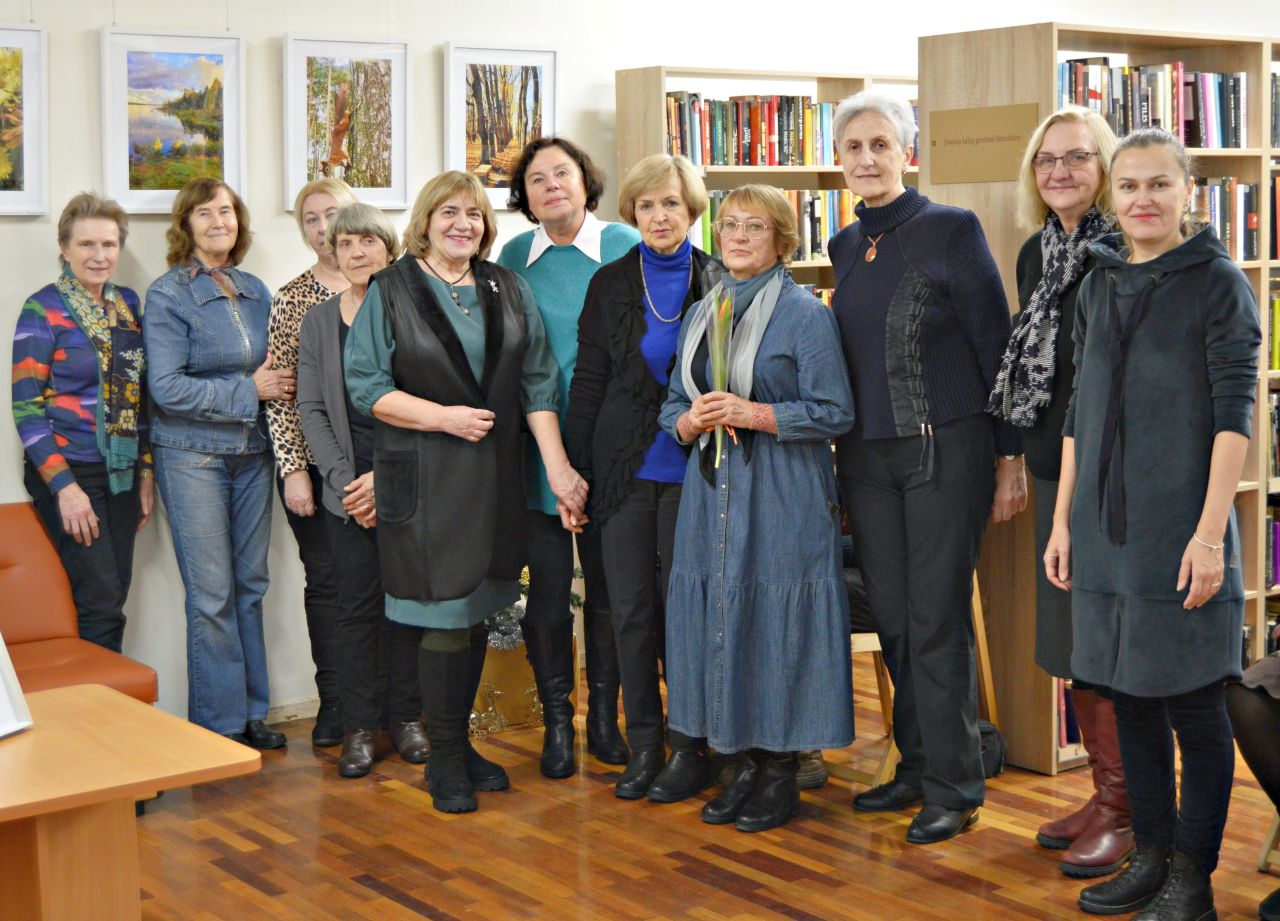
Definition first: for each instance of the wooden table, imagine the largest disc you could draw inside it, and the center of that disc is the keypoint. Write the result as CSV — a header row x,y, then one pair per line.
x,y
68,836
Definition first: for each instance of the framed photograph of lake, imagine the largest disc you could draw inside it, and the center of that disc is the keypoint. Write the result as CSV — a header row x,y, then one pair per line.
x,y
496,100
345,105
172,111
24,121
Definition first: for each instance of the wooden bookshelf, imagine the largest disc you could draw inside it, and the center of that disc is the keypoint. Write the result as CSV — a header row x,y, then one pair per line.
x,y
641,95
1018,65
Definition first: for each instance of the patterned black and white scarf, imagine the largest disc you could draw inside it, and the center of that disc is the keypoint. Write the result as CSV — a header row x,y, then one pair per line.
x,y
1025,382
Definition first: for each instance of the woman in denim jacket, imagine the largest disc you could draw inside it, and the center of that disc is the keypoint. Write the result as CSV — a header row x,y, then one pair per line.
x,y
208,369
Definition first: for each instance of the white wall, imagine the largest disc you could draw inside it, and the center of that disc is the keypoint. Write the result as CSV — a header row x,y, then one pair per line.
x,y
594,37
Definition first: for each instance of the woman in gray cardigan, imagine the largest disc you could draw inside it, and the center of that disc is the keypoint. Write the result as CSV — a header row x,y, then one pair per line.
x,y
378,663
1144,533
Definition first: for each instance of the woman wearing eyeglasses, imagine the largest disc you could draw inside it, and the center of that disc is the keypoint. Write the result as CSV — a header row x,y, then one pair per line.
x,y
757,611
1062,194
924,320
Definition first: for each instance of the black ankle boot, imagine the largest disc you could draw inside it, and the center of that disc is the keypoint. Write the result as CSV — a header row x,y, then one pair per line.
x,y
685,775
776,796
446,703
603,739
550,651
1135,886
725,808
1186,895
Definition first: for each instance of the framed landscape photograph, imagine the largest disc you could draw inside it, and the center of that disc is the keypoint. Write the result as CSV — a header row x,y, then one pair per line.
x,y
345,116
24,121
172,111
496,101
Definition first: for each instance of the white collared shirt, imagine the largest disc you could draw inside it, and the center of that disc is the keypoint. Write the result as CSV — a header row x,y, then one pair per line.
x,y
587,240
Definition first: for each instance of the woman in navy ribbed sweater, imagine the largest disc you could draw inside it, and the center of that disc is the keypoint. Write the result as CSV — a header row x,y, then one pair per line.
x,y
924,321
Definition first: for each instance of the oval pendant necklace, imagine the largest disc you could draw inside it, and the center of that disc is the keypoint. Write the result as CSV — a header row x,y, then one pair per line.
x,y
871,252
453,292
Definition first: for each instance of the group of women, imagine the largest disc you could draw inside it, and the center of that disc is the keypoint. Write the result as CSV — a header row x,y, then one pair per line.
x,y
679,412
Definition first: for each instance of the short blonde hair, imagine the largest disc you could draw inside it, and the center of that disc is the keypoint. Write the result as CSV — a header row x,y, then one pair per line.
x,y
435,193
327,185
86,206
772,204
1031,207
656,171
358,219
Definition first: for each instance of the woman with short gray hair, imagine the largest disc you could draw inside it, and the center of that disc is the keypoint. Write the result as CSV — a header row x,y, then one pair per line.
x,y
924,322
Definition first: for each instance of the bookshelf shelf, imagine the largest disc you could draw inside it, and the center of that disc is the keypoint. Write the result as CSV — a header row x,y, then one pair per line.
x,y
1018,65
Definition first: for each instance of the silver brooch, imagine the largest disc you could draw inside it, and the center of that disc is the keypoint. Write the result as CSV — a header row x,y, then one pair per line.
x,y
494,285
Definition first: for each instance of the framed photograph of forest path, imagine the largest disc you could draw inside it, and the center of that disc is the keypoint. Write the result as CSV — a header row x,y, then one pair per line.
x,y
496,101
172,111
24,120
345,116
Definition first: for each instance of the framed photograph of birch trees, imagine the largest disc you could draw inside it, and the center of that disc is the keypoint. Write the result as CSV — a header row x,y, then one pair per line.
x,y
345,105
496,101
24,121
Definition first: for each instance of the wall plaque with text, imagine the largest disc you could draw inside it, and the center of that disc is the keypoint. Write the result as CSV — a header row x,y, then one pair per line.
x,y
981,144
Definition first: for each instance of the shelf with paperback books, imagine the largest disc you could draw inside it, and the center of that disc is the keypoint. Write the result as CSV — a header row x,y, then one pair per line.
x,y
1020,65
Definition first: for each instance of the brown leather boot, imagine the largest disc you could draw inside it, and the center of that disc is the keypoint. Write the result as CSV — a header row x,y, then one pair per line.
x,y
1107,840
1059,833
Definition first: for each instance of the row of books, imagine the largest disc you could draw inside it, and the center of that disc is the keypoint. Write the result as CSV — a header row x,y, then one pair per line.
x,y
1271,561
1232,208
1273,363
820,215
752,130
1202,108
1275,110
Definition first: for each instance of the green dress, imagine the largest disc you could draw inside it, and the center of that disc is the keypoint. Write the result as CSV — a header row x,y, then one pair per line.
x,y
370,345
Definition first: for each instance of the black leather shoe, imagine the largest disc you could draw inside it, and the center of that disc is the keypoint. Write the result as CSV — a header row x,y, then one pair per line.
x,y
410,741
776,796
1269,908
1133,888
328,728
893,796
258,735
685,775
1185,896
938,823
724,808
486,776
643,767
358,747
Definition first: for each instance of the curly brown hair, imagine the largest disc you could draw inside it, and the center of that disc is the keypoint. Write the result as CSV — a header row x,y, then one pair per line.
x,y
192,195
592,176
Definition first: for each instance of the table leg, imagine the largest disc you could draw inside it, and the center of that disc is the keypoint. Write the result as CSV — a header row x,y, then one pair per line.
x,y
74,865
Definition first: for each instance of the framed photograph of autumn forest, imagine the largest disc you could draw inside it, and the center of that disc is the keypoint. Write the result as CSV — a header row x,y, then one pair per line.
x,y
496,101
24,121
345,105
172,111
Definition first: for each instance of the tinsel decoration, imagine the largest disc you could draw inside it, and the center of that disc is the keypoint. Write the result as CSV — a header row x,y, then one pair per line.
x,y
504,627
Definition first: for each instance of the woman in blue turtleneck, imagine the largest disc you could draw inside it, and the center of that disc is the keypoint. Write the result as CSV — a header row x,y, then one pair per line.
x,y
626,345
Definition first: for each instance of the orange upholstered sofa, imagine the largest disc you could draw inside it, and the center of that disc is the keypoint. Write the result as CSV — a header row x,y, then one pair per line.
x,y
38,617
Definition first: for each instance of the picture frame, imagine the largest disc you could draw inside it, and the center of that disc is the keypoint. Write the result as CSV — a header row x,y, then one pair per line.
x,y
346,107
24,120
15,715
172,110
470,145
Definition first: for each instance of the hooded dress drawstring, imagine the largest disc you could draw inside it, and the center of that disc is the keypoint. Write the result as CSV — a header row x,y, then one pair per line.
x,y
926,451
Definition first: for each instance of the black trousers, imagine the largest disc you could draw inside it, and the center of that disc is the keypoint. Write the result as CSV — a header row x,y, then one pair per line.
x,y
377,663
320,595
917,533
638,540
1146,726
100,574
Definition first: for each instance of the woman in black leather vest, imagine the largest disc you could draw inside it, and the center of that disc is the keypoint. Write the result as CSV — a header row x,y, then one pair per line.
x,y
448,354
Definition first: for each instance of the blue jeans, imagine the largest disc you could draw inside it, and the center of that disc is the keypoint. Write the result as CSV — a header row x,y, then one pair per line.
x,y
219,509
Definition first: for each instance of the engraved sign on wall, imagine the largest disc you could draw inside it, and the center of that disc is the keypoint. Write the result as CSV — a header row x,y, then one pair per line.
x,y
979,144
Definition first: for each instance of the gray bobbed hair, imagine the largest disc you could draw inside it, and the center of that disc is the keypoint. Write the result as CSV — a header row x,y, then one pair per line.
x,y
892,109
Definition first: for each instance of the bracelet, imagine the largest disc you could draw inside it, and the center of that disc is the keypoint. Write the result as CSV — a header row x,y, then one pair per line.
x,y
1205,543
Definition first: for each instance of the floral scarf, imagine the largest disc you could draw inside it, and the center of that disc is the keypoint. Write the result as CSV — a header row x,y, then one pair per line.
x,y
116,335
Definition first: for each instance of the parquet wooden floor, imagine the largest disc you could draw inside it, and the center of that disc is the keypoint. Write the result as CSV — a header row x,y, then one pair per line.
x,y
296,842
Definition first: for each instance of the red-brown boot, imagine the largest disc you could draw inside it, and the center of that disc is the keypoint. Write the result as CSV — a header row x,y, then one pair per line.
x,y
1059,833
1107,840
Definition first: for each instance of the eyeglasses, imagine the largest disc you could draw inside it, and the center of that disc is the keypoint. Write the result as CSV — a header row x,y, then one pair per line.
x,y
1072,159
728,227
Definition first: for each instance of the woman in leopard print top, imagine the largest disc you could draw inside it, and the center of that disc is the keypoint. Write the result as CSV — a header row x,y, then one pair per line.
x,y
299,482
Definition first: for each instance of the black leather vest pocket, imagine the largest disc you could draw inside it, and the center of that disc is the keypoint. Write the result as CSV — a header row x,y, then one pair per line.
x,y
398,469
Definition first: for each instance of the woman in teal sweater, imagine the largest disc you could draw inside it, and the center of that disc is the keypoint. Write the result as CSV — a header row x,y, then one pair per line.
x,y
557,187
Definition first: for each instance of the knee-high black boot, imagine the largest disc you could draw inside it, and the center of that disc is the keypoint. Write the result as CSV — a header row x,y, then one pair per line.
x,y
485,775
550,651
603,739
446,702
